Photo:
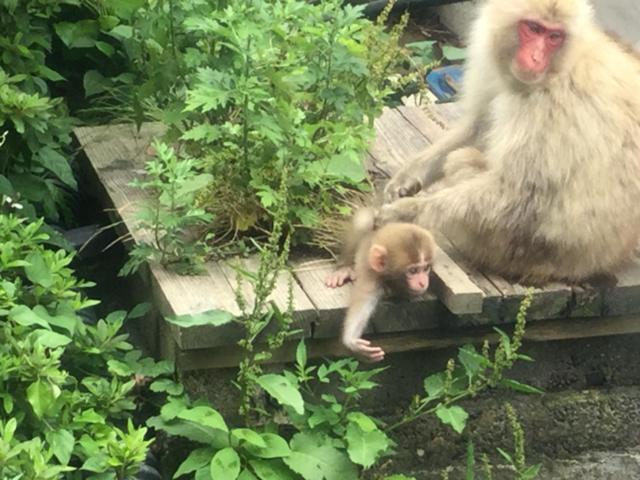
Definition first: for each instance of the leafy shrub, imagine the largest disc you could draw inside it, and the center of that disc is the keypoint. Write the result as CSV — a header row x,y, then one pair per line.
x,y
34,162
67,387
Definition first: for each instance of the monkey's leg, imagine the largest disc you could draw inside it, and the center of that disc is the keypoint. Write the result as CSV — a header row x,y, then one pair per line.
x,y
474,202
402,210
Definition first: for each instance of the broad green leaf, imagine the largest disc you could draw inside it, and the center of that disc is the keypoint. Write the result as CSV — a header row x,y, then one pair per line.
x,y
225,465
212,317
168,386
399,477
434,385
519,387
315,458
247,475
281,388
197,459
471,360
49,74
40,396
140,310
23,315
343,166
272,470
57,164
454,416
38,271
62,443
249,436
205,416
275,447
365,447
94,82
50,339
363,421
122,32
301,354
193,431
173,408
80,34
89,416
453,53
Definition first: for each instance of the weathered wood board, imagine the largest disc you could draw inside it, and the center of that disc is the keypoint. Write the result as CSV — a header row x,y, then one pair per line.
x,y
460,298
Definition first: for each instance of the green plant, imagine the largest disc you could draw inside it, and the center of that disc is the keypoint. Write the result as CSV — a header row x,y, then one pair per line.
x,y
66,386
516,460
35,160
175,226
332,438
476,372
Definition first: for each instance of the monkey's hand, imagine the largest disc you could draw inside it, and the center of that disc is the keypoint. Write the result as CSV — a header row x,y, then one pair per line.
x,y
341,276
403,184
366,352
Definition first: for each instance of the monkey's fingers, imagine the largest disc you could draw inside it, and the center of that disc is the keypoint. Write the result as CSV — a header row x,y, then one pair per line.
x,y
368,352
340,277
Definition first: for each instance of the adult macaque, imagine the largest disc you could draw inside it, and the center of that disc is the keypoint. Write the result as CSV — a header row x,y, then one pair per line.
x,y
551,134
394,259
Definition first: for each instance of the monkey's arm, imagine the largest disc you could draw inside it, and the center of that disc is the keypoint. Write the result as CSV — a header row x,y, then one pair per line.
x,y
365,297
428,166
361,227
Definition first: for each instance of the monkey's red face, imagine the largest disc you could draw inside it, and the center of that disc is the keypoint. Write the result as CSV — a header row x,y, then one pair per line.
x,y
538,42
417,276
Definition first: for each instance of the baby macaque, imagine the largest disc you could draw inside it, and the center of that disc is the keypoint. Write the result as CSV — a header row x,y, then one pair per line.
x,y
394,259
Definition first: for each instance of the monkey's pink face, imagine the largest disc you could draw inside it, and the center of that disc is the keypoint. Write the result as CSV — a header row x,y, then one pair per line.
x,y
417,276
539,41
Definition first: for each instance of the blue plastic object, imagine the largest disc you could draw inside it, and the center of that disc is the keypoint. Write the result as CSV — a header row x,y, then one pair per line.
x,y
444,82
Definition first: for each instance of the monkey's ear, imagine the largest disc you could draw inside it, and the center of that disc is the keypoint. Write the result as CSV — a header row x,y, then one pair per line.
x,y
377,257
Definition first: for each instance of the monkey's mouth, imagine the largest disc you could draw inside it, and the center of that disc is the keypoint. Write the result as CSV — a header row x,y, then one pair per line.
x,y
527,77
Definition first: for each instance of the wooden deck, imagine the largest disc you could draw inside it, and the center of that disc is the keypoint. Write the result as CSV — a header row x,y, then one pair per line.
x,y
462,304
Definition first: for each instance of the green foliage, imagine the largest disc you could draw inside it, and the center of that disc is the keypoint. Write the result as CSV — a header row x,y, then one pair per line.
x,y
474,372
66,386
34,162
175,225
251,88
516,459
332,440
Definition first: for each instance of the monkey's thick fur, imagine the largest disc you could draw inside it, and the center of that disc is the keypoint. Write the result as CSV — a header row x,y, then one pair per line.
x,y
558,193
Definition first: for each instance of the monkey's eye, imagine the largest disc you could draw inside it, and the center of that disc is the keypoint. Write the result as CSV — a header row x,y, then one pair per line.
x,y
413,270
555,38
535,27
427,269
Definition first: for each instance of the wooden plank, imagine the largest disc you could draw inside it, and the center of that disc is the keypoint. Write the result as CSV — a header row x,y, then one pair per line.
x,y
429,126
587,301
492,296
453,286
117,154
625,296
396,141
542,331
551,301
310,273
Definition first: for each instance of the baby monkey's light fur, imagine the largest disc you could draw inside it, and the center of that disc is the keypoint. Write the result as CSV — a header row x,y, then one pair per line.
x,y
559,194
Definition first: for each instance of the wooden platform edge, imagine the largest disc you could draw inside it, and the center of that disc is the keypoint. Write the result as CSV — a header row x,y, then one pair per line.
x,y
539,331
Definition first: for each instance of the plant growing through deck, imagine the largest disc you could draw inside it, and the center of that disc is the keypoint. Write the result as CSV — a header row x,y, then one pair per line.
x,y
174,226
